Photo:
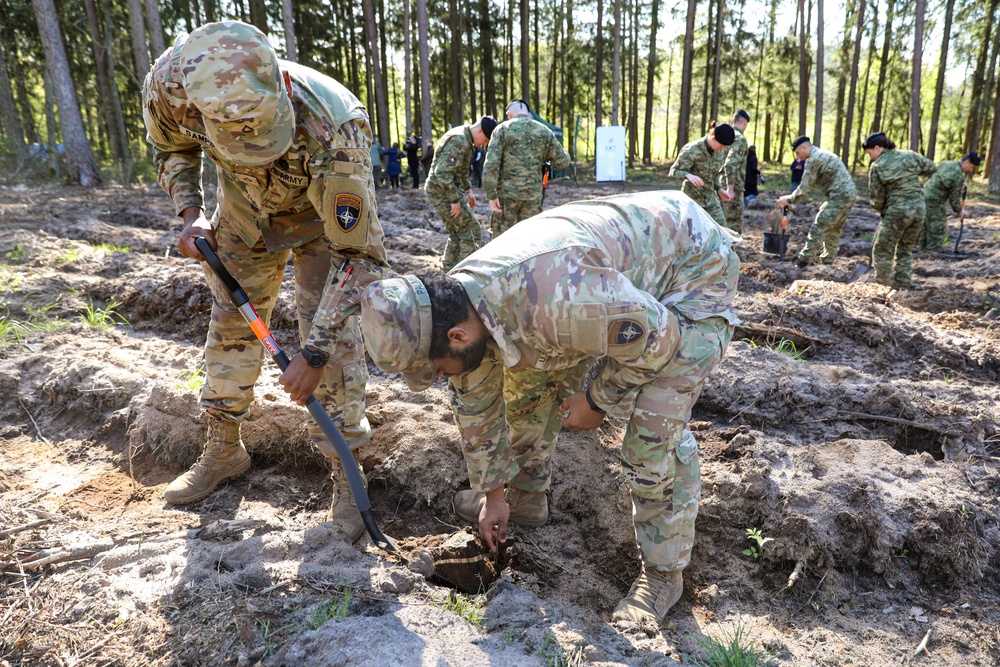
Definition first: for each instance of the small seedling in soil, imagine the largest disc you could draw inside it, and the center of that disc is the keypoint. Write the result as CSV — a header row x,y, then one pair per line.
x,y
17,254
756,550
102,318
734,649
867,236
12,331
967,513
191,380
555,656
335,610
108,247
902,553
9,280
69,256
786,346
472,609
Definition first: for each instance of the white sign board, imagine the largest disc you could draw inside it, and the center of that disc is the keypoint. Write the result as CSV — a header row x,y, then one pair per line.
x,y
610,155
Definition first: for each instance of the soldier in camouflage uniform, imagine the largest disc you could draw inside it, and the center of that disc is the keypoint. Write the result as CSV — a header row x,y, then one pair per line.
x,y
824,172
644,281
700,166
944,187
734,173
512,174
895,192
449,188
291,148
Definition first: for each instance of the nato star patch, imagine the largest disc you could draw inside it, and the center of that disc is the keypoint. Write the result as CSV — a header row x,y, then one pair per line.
x,y
624,332
451,158
348,211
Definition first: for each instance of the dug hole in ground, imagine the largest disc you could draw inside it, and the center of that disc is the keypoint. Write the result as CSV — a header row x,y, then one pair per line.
x,y
864,451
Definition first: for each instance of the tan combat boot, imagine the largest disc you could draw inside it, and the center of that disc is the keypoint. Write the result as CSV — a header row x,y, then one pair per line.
x,y
651,597
225,458
527,508
344,510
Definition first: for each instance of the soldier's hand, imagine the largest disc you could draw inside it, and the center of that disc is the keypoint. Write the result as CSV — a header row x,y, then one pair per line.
x,y
695,180
782,201
495,206
456,210
577,415
727,194
196,226
493,519
300,379
471,198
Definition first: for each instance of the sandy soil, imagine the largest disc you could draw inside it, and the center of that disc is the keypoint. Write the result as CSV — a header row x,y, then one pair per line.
x,y
868,453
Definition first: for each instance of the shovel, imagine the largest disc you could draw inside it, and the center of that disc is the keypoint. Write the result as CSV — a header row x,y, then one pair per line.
x,y
339,445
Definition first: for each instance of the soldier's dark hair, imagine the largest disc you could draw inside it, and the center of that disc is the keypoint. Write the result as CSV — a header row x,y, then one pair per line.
x,y
449,307
877,139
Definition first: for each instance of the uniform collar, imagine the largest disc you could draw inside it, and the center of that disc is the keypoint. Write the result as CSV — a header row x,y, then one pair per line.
x,y
508,349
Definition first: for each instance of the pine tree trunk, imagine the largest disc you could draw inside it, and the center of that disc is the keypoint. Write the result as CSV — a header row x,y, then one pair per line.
x,y
471,58
684,113
942,70
982,115
978,82
137,31
634,88
525,51
378,81
883,69
455,73
864,90
993,157
210,11
258,15
291,46
918,52
616,72
155,27
651,68
720,6
83,169
111,119
772,20
852,90
803,70
8,110
407,73
709,41
535,61
599,56
820,73
489,69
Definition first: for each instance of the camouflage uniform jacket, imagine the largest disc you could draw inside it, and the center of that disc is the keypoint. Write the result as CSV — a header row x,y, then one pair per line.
x,y
699,159
946,184
894,178
734,165
825,172
449,178
604,277
317,188
513,167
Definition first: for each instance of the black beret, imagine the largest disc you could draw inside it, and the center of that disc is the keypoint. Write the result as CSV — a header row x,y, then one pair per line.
x,y
725,134
972,157
801,140
487,124
743,114
875,139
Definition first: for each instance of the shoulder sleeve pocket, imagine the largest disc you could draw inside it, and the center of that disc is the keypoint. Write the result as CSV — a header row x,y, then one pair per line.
x,y
345,203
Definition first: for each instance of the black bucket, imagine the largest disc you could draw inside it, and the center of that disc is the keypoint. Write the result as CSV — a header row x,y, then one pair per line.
x,y
775,244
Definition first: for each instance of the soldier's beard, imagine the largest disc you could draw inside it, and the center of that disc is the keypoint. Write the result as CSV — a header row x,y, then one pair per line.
x,y
471,356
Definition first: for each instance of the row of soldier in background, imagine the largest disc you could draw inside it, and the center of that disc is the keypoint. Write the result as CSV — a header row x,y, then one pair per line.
x,y
714,170
516,151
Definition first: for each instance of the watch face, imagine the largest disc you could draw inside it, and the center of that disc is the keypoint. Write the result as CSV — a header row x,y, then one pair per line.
x,y
314,359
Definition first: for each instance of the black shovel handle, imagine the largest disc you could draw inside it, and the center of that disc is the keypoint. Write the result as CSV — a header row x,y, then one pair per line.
x,y
340,447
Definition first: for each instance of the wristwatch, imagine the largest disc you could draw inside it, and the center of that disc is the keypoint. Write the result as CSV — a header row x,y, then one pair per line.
x,y
593,405
315,358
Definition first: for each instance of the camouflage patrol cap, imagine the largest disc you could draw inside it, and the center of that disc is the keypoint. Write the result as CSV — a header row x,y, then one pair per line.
x,y
231,75
396,324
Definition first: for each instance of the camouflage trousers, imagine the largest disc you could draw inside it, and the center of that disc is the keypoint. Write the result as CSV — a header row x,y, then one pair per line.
x,y
659,452
892,250
824,235
713,206
733,211
935,233
233,355
514,211
465,234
